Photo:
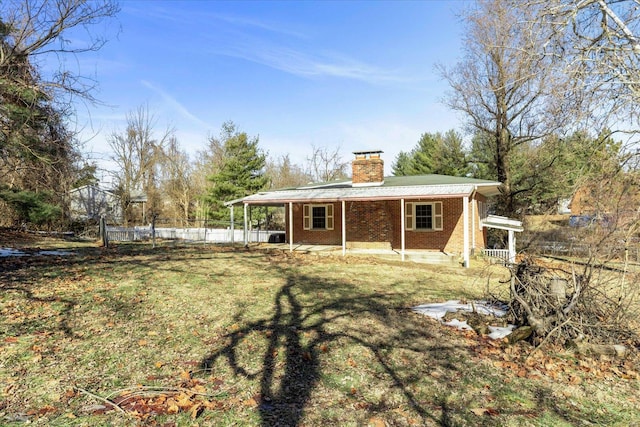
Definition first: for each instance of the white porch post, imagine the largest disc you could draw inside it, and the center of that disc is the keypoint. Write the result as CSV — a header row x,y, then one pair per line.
x,y
290,226
246,234
465,227
344,229
512,246
474,215
402,229
233,232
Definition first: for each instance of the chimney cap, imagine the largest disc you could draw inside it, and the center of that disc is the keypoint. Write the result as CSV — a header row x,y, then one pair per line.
x,y
361,153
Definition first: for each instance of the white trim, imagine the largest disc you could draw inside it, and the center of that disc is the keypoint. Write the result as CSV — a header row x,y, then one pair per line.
x,y
343,216
290,226
402,229
246,235
231,208
367,184
474,204
512,246
465,230
502,223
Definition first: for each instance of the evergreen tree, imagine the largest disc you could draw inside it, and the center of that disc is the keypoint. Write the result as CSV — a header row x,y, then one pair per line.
x,y
402,165
241,173
434,153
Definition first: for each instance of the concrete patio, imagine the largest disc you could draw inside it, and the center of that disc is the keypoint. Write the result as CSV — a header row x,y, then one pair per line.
x,y
421,256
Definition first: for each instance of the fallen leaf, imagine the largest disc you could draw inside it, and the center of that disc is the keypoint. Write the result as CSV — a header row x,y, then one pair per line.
x,y
484,411
574,379
173,408
195,411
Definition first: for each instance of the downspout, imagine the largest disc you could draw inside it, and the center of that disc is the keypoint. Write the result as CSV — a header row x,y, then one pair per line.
x,y
465,230
344,229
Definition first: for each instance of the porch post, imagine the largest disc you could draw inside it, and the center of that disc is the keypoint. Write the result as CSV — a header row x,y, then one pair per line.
x,y
246,235
233,231
402,229
290,226
474,215
512,246
465,227
344,229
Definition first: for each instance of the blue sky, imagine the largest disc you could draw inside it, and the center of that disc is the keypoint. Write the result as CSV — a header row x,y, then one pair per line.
x,y
355,75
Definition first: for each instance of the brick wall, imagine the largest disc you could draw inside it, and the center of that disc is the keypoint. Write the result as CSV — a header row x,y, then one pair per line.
x,y
380,221
314,237
448,240
366,171
369,222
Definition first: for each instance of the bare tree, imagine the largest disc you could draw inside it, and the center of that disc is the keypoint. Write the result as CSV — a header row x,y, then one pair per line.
x,y
32,28
326,165
207,163
597,44
508,95
137,152
175,172
282,173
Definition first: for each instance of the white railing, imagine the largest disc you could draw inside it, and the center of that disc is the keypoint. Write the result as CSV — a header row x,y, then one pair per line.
x,y
502,254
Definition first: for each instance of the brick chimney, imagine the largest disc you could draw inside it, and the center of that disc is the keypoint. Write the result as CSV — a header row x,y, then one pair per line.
x,y
368,168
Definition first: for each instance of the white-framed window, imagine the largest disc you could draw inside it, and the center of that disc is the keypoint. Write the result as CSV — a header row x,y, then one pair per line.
x,y
423,216
318,216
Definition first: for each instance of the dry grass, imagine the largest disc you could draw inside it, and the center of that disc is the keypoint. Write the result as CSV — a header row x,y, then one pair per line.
x,y
221,336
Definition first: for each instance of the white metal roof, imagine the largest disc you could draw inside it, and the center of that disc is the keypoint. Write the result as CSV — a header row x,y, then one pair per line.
x,y
344,191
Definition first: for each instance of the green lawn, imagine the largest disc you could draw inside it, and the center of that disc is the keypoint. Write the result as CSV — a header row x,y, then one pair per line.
x,y
219,336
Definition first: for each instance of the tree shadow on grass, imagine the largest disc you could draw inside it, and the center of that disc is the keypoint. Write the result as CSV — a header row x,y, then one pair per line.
x,y
34,280
308,316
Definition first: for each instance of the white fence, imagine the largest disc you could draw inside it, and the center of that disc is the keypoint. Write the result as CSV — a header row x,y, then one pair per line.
x,y
208,235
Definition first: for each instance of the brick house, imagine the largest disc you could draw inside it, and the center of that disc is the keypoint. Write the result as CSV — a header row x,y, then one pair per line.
x,y
437,213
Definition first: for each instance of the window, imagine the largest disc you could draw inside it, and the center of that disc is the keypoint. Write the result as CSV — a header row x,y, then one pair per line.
x,y
318,217
423,216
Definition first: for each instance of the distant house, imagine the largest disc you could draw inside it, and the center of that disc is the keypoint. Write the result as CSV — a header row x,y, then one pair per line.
x,y
90,202
611,203
437,213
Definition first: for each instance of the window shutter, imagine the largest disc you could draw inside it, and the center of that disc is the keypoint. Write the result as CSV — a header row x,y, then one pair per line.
x,y
329,217
408,216
306,214
437,216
